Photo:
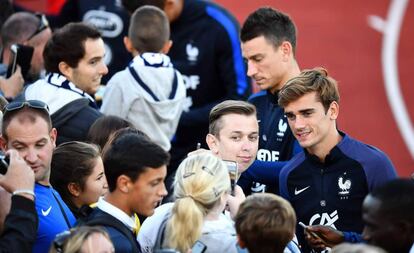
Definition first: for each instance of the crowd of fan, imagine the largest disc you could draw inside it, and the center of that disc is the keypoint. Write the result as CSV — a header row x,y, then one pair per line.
x,y
140,164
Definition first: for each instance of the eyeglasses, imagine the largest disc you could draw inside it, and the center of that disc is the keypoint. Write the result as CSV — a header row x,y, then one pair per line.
x,y
43,25
60,239
35,104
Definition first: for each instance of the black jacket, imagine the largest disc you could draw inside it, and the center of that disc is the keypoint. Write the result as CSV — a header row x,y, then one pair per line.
x,y
73,120
207,53
122,238
20,226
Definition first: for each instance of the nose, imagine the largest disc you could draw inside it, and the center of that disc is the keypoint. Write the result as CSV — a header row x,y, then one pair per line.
x,y
247,145
104,185
298,123
104,69
251,69
30,156
163,191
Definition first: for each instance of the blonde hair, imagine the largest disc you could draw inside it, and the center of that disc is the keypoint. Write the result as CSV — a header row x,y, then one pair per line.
x,y
72,241
200,182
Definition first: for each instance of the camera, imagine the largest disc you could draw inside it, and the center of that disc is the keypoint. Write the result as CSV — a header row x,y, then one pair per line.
x,y
4,162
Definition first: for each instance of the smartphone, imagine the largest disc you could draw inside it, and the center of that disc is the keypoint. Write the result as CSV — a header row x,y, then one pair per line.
x,y
166,251
198,247
20,55
313,234
233,173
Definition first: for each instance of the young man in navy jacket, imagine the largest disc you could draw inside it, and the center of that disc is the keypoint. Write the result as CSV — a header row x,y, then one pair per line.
x,y
327,183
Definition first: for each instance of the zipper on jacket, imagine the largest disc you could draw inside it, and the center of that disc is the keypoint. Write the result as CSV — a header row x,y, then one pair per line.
x,y
322,202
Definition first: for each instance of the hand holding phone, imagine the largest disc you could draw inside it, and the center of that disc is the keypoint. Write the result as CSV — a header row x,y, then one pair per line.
x,y
313,234
20,55
233,173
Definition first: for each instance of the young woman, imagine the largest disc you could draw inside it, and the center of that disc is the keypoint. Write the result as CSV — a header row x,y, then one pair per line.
x,y
201,189
78,174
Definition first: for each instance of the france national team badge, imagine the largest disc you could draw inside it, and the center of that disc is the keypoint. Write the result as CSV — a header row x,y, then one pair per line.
x,y
192,53
344,186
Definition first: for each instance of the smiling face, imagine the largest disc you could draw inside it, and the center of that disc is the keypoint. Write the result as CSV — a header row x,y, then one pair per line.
x,y
147,191
237,139
265,63
95,185
91,68
313,127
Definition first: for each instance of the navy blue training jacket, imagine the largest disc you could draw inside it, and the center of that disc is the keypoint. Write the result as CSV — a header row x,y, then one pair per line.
x,y
206,50
331,193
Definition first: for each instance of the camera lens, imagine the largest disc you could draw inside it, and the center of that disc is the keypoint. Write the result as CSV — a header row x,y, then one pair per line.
x,y
4,163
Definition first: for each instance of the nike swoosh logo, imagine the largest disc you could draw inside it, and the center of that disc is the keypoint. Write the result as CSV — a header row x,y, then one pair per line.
x,y
301,190
46,213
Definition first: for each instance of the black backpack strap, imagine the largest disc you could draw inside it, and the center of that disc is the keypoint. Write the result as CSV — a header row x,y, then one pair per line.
x,y
103,220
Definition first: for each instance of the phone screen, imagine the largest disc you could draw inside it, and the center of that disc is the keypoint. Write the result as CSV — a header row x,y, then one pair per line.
x,y
198,247
233,173
20,55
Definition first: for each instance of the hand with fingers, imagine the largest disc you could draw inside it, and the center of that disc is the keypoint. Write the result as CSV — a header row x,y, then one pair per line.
x,y
233,202
320,237
19,178
12,86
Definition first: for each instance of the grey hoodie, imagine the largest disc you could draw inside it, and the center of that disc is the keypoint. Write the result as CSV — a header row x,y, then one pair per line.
x,y
144,95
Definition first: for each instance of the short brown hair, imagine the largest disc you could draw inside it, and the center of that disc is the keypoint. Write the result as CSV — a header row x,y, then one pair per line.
x,y
265,222
149,29
314,80
25,114
228,107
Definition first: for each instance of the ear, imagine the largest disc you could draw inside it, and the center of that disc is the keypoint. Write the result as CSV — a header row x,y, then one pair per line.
x,y
74,189
333,110
286,49
128,45
3,143
122,183
53,136
170,9
240,242
166,48
212,143
169,4
65,69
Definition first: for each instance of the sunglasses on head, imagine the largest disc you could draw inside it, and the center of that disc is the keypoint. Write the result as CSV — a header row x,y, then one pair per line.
x,y
35,104
60,240
43,25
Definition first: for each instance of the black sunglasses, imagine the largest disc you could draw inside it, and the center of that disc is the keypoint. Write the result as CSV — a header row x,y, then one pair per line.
x,y
43,25
35,104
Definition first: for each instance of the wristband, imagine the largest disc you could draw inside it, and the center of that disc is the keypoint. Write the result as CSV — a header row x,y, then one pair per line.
x,y
30,192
